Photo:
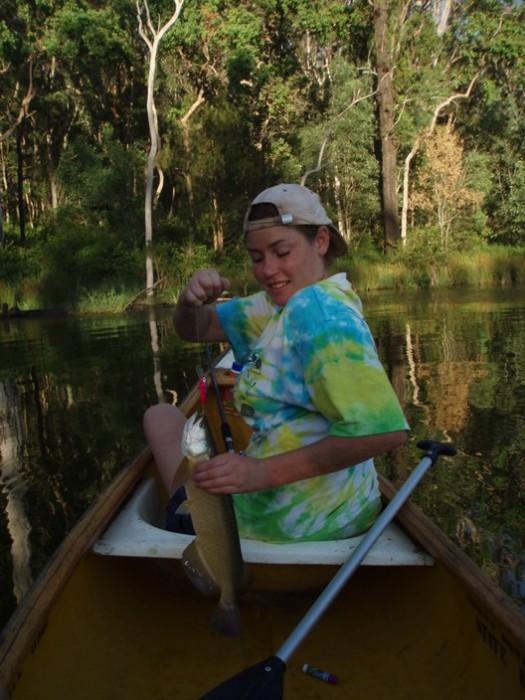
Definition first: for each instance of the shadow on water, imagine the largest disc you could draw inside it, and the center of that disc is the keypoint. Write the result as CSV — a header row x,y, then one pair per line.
x,y
73,391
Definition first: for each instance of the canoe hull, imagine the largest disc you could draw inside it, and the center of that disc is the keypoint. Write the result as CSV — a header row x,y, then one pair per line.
x,y
140,631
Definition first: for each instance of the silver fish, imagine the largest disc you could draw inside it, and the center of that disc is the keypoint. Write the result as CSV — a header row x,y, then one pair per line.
x,y
213,561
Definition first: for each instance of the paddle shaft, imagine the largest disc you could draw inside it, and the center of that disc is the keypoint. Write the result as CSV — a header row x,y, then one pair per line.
x,y
366,544
265,680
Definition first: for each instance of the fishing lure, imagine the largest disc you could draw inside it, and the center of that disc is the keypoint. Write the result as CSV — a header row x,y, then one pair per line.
x,y
203,388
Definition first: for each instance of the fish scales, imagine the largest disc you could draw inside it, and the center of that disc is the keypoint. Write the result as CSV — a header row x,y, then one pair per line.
x,y
213,561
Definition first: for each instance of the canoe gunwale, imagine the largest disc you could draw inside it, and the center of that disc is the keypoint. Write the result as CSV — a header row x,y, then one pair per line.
x,y
482,590
30,617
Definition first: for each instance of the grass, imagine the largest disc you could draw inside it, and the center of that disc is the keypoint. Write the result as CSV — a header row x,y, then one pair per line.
x,y
103,301
405,270
482,268
24,296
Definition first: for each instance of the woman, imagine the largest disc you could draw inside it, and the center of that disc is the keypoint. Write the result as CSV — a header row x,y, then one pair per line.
x,y
312,387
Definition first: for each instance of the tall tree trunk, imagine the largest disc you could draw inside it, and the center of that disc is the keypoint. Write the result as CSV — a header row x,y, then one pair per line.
x,y
408,160
152,37
2,234
386,105
185,122
20,180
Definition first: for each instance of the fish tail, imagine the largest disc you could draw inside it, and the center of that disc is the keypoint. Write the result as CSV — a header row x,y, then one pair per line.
x,y
226,620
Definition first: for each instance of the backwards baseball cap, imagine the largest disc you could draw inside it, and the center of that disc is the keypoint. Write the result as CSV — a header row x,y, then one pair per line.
x,y
297,206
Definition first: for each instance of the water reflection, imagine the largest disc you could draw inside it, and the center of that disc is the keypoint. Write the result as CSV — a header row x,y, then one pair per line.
x,y
73,391
464,381
14,487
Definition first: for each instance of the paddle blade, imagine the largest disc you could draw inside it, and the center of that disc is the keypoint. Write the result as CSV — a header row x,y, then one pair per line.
x,y
264,681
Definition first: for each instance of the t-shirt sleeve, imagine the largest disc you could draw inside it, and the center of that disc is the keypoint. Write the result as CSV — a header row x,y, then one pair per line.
x,y
346,380
243,321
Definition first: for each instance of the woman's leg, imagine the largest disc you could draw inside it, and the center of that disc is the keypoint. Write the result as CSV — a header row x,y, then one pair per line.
x,y
163,426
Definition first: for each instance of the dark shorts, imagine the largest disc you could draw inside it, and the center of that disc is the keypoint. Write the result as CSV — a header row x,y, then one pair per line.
x,y
178,522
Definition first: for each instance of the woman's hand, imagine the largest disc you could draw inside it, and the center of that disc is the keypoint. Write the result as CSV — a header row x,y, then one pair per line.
x,y
195,318
204,287
231,473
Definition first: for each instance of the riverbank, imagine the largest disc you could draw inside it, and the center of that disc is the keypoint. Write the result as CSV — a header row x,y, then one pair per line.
x,y
403,270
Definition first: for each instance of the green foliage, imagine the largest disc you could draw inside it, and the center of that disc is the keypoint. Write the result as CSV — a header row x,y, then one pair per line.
x,y
507,205
87,256
100,185
95,46
246,96
17,263
177,263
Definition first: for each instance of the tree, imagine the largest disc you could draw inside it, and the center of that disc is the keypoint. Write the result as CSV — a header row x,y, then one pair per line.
x,y
426,133
152,37
17,57
386,109
443,188
492,36
342,145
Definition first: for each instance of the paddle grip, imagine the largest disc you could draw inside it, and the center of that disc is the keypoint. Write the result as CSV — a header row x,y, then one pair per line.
x,y
433,449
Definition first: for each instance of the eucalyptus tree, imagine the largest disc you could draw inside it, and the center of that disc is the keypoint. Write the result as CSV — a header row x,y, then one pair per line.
x,y
152,34
493,38
242,82
83,79
20,52
94,85
237,97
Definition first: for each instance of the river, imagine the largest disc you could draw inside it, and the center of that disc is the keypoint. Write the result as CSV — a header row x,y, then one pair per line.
x,y
73,391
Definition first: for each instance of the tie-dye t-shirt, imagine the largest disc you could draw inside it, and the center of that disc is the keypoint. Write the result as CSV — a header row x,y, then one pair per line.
x,y
311,370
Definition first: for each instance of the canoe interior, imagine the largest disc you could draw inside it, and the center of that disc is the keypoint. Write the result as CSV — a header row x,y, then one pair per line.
x,y
136,629
138,531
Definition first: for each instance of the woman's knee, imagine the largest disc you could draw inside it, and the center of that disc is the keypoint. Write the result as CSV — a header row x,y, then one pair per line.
x,y
162,419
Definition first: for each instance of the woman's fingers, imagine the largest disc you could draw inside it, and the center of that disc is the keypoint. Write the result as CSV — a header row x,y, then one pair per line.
x,y
229,473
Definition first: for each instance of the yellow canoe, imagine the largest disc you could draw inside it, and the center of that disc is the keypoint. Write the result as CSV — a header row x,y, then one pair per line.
x,y
112,616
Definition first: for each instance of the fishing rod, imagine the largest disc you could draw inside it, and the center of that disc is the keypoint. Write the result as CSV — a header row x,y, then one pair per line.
x,y
225,428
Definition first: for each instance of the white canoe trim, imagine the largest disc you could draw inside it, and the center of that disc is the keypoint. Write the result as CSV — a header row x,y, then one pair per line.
x,y
137,531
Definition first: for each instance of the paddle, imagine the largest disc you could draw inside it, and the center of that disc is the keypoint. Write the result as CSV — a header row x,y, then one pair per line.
x,y
265,680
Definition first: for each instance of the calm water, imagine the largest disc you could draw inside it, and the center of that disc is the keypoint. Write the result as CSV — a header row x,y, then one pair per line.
x,y
73,391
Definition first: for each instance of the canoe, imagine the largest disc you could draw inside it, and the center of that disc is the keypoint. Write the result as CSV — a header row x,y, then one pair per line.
x,y
113,616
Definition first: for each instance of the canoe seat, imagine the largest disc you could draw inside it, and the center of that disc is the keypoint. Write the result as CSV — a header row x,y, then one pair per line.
x,y
138,531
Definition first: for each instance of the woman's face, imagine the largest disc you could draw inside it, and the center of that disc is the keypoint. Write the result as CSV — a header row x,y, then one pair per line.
x,y
284,260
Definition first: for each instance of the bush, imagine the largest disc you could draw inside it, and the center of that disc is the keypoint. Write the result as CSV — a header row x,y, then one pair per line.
x,y
17,263
87,256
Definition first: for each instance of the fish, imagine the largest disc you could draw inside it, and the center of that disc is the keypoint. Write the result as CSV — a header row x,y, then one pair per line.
x,y
213,561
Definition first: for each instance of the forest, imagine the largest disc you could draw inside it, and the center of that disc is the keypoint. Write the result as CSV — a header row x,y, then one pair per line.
x,y
133,134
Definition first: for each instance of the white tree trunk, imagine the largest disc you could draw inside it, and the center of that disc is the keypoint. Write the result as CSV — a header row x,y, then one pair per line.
x,y
152,37
441,10
406,179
